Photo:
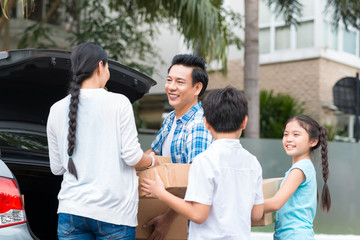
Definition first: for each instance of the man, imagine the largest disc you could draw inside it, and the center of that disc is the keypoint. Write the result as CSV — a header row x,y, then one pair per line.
x,y
183,134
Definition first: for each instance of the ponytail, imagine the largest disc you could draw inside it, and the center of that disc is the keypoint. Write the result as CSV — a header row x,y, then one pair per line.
x,y
84,60
325,196
74,102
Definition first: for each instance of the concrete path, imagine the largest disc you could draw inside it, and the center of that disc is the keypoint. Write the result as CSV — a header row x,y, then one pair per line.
x,y
269,236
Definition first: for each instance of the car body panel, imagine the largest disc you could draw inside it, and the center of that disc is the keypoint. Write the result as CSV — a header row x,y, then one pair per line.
x,y
4,170
16,232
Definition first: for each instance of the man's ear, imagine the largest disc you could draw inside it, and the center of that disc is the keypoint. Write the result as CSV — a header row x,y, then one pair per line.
x,y
207,125
198,87
244,123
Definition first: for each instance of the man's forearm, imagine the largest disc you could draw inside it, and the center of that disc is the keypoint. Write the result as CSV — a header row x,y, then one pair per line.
x,y
171,214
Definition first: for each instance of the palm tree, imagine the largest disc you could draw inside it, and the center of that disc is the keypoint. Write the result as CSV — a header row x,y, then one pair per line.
x,y
251,71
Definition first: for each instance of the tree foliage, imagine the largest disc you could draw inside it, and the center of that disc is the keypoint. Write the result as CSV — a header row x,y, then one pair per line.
x,y
120,32
126,28
289,9
345,11
207,27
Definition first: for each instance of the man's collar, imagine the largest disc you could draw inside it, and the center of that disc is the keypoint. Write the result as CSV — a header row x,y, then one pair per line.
x,y
190,113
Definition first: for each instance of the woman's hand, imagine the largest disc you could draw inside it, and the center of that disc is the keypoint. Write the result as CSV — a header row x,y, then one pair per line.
x,y
153,188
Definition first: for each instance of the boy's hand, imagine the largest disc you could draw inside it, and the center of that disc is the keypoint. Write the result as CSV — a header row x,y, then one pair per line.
x,y
151,187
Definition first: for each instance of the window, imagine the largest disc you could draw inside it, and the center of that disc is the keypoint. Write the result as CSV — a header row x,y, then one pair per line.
x,y
349,41
325,34
334,37
305,34
264,13
25,141
274,35
282,38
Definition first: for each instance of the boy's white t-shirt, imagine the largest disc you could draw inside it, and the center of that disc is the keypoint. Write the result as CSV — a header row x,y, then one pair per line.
x,y
229,178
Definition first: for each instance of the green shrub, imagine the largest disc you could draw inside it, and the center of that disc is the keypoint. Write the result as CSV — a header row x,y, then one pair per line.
x,y
274,111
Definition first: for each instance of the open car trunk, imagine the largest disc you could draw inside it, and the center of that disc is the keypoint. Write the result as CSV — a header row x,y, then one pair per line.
x,y
31,80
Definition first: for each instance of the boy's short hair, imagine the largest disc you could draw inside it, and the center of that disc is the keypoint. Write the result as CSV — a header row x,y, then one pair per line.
x,y
199,68
225,109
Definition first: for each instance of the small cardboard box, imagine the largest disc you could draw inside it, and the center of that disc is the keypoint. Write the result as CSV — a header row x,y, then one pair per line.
x,y
270,187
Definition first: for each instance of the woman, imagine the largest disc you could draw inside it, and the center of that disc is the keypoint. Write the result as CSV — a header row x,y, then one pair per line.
x,y
93,144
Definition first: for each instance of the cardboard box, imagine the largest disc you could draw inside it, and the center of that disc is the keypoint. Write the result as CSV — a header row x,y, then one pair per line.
x,y
270,187
150,208
175,178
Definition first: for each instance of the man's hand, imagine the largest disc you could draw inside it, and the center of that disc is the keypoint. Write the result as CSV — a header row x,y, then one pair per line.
x,y
161,225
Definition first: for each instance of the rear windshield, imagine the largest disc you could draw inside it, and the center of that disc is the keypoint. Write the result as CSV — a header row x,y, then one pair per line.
x,y
23,142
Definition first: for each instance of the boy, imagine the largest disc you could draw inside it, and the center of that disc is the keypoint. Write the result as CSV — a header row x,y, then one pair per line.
x,y
224,190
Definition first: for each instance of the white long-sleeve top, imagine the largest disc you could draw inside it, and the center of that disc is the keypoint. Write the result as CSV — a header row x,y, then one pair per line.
x,y
106,149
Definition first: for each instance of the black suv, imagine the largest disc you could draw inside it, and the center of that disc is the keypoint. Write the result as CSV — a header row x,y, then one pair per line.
x,y
31,80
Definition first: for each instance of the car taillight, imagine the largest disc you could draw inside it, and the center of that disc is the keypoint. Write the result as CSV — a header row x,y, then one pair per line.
x,y
11,206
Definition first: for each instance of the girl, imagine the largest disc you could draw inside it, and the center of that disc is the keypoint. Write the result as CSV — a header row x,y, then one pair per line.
x,y
295,202
93,143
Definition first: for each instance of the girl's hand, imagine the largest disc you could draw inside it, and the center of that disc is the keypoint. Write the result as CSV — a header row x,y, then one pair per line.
x,y
151,187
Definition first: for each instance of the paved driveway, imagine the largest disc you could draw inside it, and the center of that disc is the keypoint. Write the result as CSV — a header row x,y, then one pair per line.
x,y
268,236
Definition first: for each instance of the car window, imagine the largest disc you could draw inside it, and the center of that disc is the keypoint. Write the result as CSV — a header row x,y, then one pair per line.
x,y
23,142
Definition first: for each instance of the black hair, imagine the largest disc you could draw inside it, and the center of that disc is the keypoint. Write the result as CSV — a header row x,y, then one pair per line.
x,y
84,60
316,131
225,109
199,68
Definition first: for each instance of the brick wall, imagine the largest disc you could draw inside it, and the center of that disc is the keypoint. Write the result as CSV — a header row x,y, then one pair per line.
x,y
299,79
234,77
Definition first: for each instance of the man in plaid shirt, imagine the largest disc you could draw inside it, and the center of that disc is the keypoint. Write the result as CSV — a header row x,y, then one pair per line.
x,y
183,134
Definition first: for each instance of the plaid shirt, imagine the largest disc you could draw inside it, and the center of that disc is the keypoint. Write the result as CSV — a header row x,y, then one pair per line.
x,y
190,137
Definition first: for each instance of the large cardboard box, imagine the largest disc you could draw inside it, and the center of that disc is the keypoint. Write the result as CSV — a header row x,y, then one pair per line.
x,y
175,178
150,208
161,160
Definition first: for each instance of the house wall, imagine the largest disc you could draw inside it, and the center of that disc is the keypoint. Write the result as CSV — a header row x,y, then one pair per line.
x,y
299,79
